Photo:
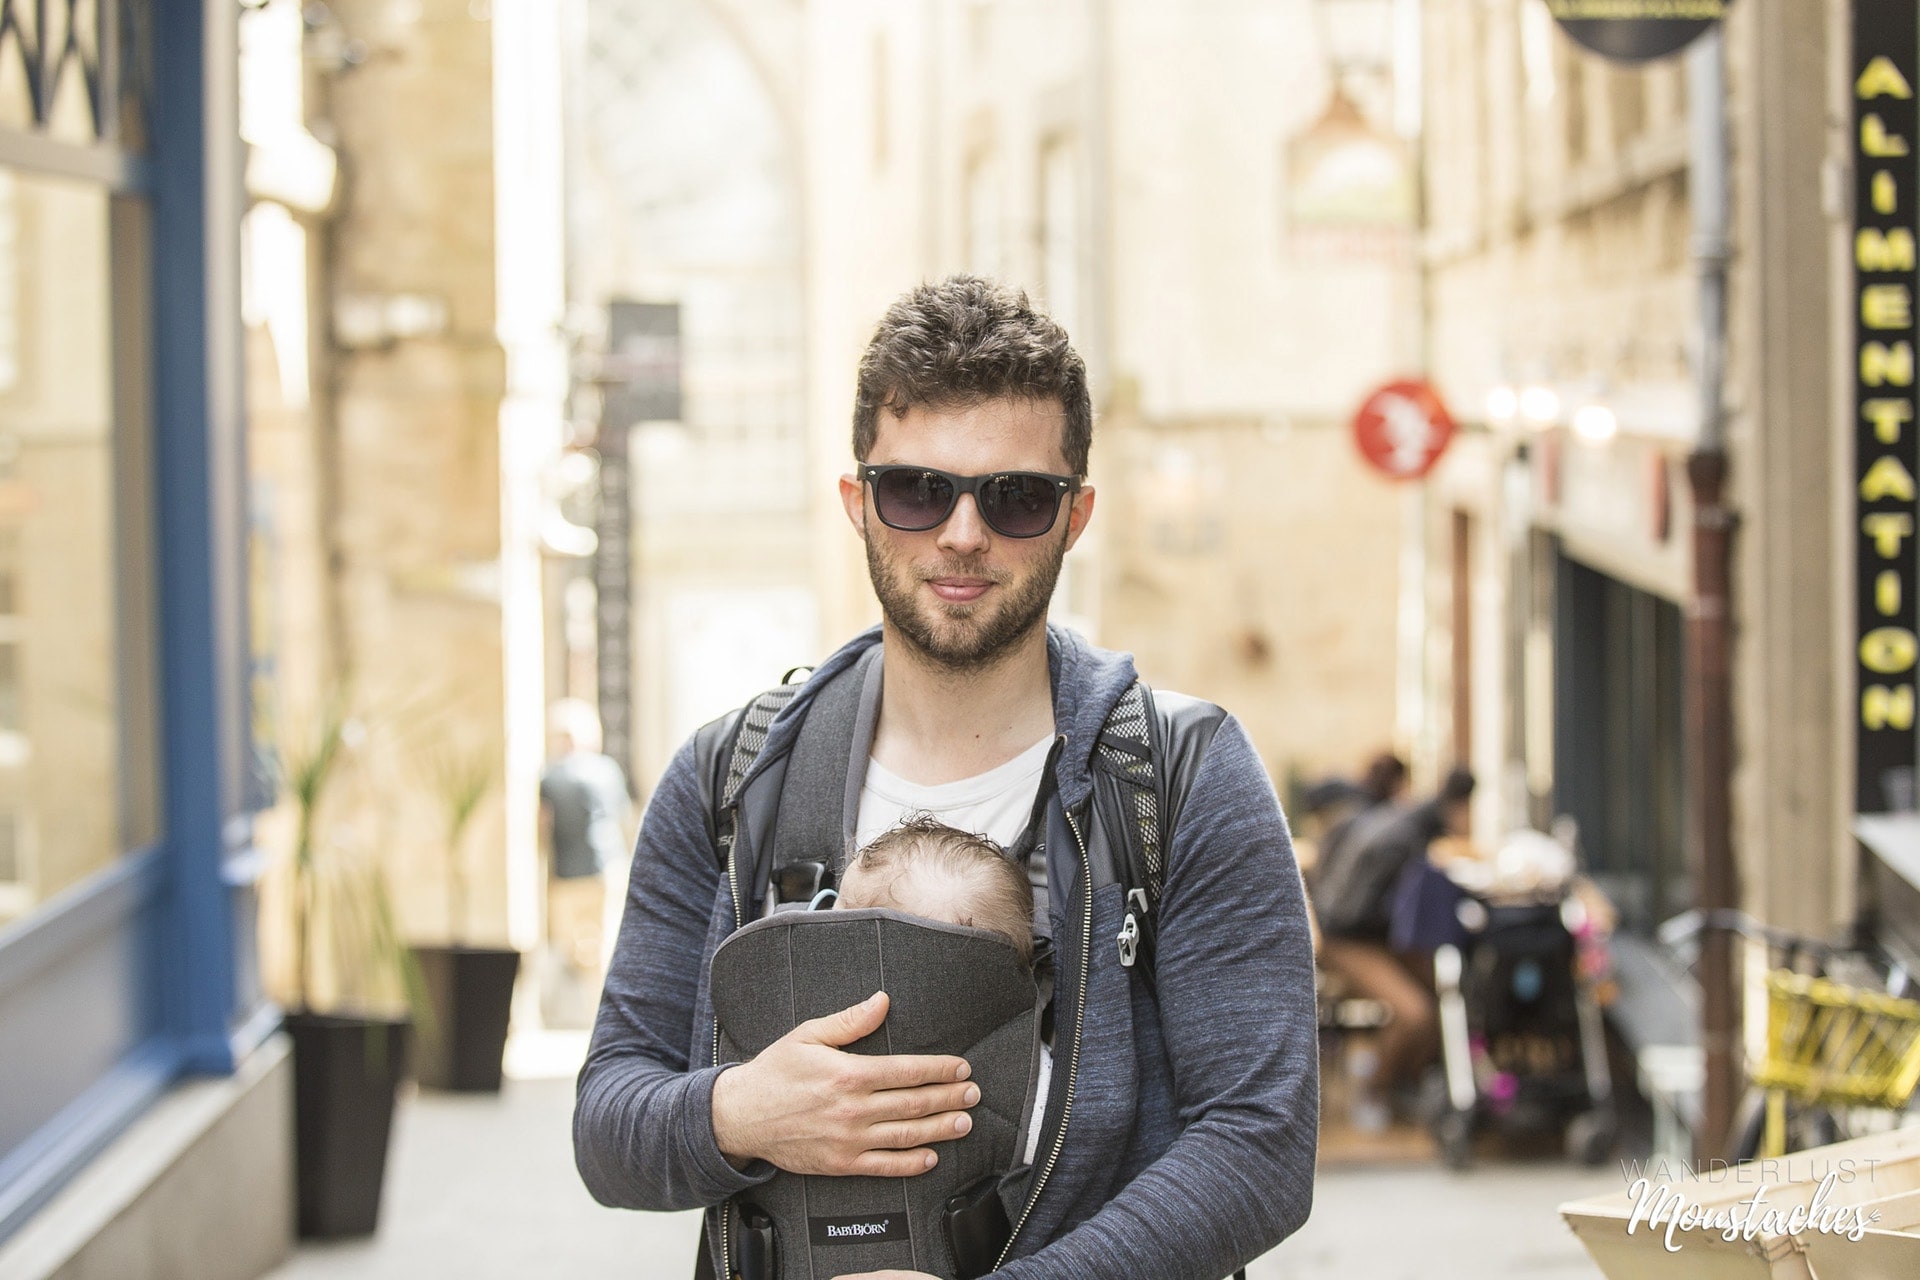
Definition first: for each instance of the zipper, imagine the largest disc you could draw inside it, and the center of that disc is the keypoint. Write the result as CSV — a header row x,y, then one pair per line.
x,y
733,892
1073,1061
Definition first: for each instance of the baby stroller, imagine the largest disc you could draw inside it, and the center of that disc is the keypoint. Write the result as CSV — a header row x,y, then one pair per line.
x,y
1522,1045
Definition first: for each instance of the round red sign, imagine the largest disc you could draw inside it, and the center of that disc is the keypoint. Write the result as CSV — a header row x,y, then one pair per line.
x,y
1402,429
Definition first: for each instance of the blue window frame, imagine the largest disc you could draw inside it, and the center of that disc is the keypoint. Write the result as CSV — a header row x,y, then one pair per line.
x,y
142,971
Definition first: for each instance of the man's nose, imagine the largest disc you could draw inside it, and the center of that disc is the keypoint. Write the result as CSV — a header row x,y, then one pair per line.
x,y
964,530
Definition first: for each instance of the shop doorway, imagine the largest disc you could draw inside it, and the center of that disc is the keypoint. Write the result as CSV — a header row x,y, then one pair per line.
x,y
1617,739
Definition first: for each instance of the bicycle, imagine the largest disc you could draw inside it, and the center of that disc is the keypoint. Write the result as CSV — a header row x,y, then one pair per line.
x,y
1834,1048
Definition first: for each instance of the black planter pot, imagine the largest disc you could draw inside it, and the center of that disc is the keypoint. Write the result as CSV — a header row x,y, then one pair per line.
x,y
470,991
346,1071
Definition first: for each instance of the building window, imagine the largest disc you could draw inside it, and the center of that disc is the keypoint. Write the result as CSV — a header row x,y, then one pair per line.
x,y
1576,107
1060,238
882,125
1628,103
983,249
60,645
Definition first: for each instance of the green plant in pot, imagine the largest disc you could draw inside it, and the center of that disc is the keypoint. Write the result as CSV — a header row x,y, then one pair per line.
x,y
468,986
352,979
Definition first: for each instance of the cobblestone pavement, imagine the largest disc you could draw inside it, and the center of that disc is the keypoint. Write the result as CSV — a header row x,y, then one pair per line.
x,y
483,1188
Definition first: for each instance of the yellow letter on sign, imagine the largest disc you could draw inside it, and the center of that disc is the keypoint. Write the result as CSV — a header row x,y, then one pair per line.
x,y
1877,142
1887,417
1888,650
1881,79
1877,250
1886,478
1880,363
1886,528
1886,306
1884,708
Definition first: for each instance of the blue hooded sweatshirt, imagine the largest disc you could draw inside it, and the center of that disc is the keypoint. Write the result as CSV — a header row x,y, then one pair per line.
x,y
1190,1145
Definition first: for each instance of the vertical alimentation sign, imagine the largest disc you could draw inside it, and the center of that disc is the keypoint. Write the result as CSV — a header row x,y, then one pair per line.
x,y
1886,129
640,382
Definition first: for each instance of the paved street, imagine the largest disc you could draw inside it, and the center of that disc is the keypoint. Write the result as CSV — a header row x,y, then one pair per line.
x,y
484,1189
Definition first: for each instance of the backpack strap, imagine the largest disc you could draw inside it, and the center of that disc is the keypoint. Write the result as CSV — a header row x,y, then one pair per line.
x,y
810,817
749,739
820,795
1151,748
1125,748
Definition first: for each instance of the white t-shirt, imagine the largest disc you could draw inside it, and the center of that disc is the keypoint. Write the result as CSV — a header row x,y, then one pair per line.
x,y
996,804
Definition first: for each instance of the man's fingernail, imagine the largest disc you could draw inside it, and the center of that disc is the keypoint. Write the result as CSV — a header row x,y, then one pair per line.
x,y
962,1123
873,999
972,1094
966,1069
932,1159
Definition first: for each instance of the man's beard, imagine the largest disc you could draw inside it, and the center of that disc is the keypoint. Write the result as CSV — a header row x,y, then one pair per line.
x,y
981,636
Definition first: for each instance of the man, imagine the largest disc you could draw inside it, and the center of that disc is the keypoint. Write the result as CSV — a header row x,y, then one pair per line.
x,y
585,809
1354,894
1182,1142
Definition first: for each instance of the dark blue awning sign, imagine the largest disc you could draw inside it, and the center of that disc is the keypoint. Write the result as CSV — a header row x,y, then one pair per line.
x,y
1636,30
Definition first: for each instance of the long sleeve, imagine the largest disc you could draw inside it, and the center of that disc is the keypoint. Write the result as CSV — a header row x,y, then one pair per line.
x,y
643,1121
1236,994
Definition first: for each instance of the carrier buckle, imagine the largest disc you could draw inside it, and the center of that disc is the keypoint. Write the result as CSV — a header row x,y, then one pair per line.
x,y
1129,939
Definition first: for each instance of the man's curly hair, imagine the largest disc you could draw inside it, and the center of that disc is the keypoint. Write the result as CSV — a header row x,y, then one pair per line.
x,y
963,341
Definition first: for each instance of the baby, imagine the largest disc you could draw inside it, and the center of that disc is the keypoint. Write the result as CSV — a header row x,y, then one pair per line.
x,y
959,993
926,868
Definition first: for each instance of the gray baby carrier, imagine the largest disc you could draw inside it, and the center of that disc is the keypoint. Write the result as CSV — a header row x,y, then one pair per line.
x,y
954,990
793,825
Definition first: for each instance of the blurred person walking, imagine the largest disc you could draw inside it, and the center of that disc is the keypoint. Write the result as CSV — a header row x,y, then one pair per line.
x,y
1354,894
586,813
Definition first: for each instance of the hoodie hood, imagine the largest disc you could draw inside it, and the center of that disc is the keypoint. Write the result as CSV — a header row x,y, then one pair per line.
x,y
1087,682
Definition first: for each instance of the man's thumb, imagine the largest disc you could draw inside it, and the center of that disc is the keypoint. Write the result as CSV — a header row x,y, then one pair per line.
x,y
853,1022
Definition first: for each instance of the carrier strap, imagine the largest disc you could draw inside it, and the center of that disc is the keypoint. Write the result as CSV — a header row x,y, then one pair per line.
x,y
810,831
749,739
811,825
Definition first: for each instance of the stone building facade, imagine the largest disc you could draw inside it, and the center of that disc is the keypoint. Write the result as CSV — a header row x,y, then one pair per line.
x,y
1565,318
407,394
1129,166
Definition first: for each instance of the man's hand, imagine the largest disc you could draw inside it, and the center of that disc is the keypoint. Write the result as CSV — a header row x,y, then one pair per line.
x,y
807,1107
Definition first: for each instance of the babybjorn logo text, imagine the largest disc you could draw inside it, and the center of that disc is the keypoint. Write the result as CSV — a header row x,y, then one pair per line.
x,y
860,1230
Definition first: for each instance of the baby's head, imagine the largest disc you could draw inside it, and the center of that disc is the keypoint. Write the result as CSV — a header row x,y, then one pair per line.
x,y
924,867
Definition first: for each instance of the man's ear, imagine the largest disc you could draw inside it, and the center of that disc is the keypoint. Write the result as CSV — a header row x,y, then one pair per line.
x,y
1079,512
853,497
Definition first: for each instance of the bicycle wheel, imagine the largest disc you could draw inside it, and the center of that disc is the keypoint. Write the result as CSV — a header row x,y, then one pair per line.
x,y
1806,1127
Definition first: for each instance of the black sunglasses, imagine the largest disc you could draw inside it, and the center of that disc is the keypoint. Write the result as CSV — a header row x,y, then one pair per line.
x,y
1015,504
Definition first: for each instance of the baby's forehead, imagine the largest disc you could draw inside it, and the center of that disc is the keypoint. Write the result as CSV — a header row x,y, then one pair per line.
x,y
940,875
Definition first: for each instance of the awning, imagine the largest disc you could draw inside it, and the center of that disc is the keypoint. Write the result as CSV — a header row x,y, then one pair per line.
x,y
1894,838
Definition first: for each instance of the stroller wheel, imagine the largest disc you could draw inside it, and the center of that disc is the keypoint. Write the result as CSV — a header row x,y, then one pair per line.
x,y
1590,1137
1454,1132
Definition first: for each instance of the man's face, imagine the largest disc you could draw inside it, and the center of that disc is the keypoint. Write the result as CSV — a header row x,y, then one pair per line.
x,y
960,593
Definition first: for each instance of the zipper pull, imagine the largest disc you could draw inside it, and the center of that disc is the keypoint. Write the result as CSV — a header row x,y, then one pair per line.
x,y
1129,939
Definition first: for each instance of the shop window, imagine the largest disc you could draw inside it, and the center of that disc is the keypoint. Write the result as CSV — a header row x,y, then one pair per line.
x,y
61,652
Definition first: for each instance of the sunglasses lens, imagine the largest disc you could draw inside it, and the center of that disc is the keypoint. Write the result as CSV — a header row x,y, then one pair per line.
x,y
1019,506
912,500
